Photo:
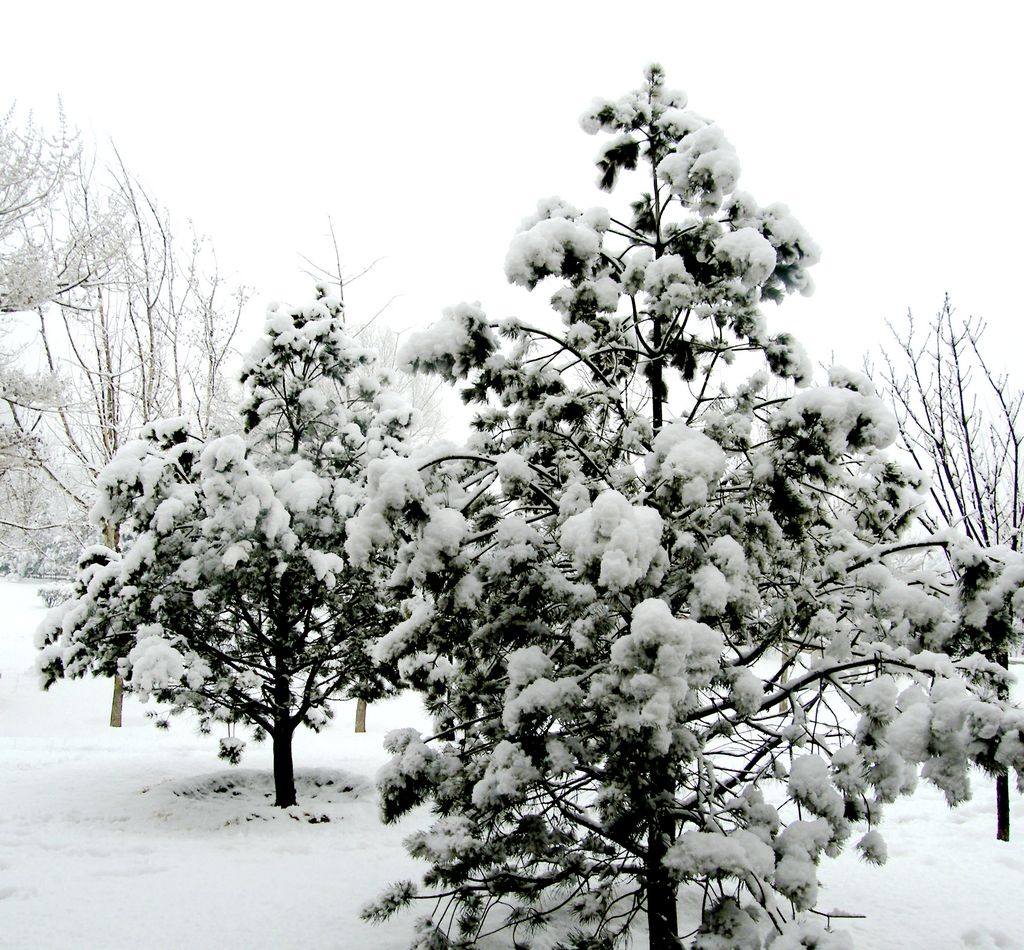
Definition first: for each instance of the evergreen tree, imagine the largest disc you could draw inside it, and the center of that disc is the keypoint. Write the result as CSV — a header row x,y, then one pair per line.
x,y
666,615
233,597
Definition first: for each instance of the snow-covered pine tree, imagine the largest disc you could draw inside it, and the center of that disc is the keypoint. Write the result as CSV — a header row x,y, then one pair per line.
x,y
667,618
233,597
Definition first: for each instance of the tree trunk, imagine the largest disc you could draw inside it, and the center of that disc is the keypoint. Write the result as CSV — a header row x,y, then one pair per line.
x,y
656,377
284,723
284,769
117,702
662,921
1003,779
110,539
360,715
1003,807
662,918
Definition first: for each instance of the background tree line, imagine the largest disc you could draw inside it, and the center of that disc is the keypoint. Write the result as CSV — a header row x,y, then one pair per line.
x,y
122,318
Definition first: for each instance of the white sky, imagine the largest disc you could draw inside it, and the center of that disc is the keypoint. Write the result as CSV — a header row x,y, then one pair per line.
x,y
427,131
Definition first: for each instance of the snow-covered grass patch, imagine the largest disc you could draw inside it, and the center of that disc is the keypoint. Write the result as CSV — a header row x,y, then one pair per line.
x,y
225,798
324,786
140,838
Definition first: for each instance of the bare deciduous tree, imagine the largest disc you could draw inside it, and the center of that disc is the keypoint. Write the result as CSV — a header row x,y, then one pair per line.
x,y
960,420
132,324
34,167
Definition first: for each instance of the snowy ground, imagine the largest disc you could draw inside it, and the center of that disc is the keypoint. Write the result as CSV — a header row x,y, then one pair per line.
x,y
141,838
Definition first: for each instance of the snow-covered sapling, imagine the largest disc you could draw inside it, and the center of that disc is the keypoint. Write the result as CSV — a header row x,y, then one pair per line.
x,y
233,596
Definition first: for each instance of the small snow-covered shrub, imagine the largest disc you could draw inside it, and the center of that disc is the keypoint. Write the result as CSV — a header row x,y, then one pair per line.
x,y
54,594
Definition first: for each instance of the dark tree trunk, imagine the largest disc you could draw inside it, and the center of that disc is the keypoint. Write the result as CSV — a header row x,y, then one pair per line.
x,y
284,722
1003,780
662,921
360,715
656,377
662,918
1003,807
284,769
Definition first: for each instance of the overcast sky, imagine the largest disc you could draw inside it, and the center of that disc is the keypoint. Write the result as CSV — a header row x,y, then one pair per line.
x,y
427,131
